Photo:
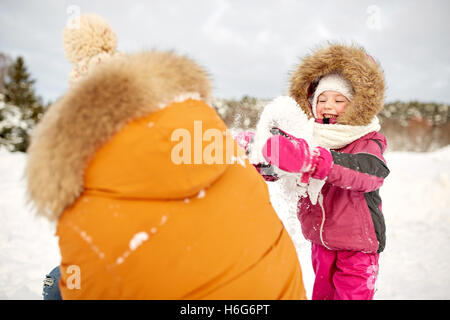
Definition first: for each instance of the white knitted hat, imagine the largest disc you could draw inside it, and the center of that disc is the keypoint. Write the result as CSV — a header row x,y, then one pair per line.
x,y
332,82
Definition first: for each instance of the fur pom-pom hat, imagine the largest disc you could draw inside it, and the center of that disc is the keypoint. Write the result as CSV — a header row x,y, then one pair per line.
x,y
88,43
354,64
332,82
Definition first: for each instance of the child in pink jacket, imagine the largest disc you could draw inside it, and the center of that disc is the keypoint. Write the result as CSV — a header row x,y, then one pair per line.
x,y
343,89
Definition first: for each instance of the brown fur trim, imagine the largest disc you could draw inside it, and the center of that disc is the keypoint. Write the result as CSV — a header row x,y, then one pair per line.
x,y
96,108
353,63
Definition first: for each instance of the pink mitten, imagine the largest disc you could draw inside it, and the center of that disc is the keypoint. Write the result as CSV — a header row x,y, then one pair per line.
x,y
244,138
288,155
293,155
322,162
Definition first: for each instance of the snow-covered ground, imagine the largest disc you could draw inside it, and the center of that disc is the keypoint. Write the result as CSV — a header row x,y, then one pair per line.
x,y
416,205
28,247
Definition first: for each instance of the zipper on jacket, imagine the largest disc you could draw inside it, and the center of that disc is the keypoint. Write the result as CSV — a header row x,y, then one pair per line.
x,y
323,220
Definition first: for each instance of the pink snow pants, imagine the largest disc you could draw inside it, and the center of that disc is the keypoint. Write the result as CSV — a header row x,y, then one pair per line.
x,y
343,275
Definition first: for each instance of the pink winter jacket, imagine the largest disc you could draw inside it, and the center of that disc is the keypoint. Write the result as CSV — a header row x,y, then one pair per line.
x,y
349,215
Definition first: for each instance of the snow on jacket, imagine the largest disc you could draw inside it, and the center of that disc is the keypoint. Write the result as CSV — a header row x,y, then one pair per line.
x,y
136,224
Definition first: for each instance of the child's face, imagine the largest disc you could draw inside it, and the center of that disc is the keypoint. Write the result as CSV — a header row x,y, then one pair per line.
x,y
331,104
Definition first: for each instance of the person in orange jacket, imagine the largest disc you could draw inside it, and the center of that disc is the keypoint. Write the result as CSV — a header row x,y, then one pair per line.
x,y
152,199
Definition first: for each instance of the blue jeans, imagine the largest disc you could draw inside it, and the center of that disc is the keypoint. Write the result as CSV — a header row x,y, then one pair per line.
x,y
51,289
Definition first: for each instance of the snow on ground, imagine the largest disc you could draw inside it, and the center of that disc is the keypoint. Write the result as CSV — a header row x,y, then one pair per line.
x,y
414,265
28,247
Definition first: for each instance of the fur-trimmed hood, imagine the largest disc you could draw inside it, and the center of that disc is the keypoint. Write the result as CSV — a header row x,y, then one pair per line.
x,y
91,112
354,64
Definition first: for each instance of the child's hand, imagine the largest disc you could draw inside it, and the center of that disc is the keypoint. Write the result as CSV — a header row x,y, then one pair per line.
x,y
244,138
294,155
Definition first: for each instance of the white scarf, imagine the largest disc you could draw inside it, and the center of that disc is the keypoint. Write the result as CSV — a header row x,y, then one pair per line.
x,y
337,136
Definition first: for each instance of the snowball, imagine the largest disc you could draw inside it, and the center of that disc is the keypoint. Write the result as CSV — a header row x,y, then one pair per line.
x,y
283,113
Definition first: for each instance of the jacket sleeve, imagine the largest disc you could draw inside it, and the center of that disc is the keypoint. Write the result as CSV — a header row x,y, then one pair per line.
x,y
363,171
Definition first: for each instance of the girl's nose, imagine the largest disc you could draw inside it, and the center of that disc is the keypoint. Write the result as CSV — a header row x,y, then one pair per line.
x,y
328,106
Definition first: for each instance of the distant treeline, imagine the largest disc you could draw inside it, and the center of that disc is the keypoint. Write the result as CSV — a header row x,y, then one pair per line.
x,y
416,126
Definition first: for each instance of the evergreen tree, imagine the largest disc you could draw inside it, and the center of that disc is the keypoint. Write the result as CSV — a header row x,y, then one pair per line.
x,y
5,62
20,108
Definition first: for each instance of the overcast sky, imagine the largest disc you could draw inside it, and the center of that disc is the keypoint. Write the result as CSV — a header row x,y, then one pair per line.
x,y
248,47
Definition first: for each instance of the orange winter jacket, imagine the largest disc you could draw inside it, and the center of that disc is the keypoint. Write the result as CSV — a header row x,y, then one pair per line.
x,y
145,227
